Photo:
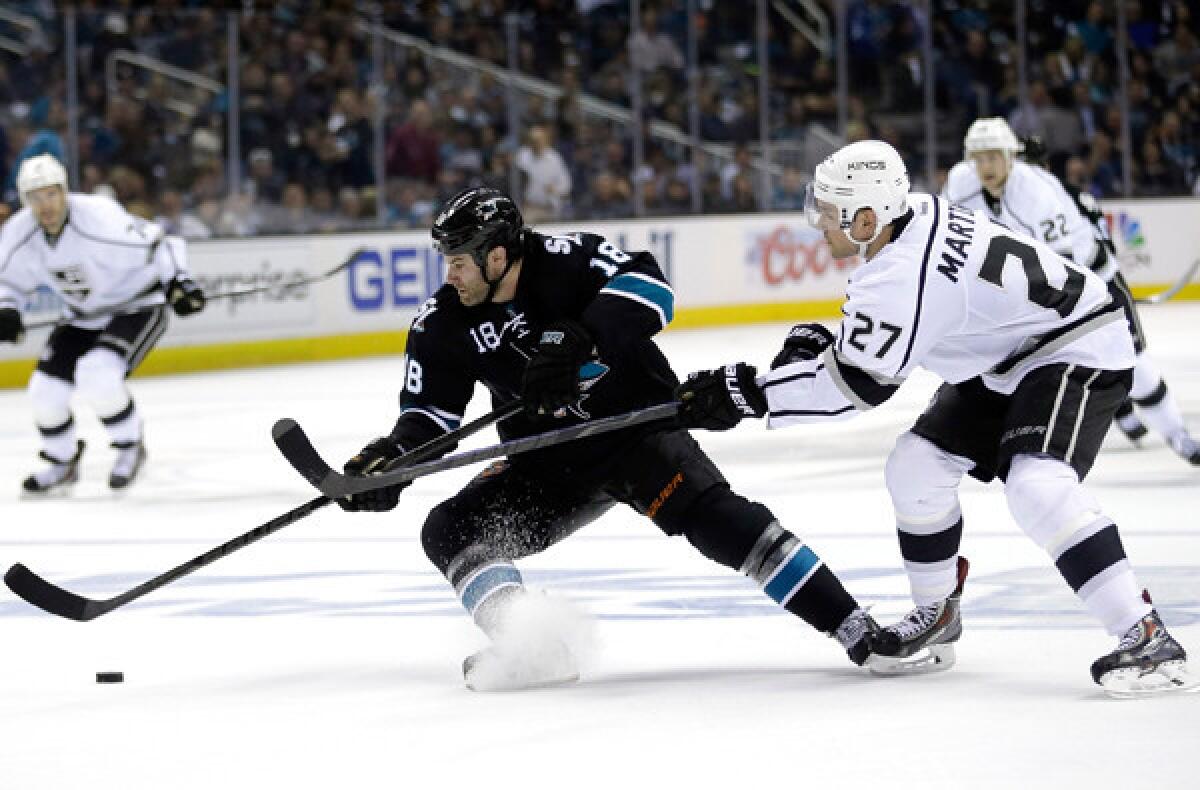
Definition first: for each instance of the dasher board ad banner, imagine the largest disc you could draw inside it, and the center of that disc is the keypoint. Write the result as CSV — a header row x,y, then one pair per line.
x,y
1156,240
711,262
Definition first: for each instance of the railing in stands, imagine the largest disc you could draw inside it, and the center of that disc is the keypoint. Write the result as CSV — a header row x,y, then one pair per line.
x,y
30,32
186,105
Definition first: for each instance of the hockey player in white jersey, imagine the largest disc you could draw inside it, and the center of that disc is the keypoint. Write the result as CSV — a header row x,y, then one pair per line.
x,y
114,273
1031,201
1036,358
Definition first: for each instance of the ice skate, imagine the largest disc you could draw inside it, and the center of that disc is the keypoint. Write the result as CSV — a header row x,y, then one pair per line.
x,y
59,475
130,457
1147,662
924,640
1132,426
506,668
1187,448
857,635
537,640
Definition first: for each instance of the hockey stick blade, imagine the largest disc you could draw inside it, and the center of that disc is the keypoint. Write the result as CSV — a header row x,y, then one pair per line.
x,y
335,485
291,440
48,597
1179,285
296,447
64,603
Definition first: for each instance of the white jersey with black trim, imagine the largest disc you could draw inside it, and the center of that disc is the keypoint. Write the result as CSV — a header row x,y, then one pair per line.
x,y
1034,204
105,258
960,296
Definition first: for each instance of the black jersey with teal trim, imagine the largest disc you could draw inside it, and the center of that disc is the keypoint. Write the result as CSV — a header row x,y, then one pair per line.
x,y
621,298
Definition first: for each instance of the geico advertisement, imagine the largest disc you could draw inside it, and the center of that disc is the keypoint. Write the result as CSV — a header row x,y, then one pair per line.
x,y
391,277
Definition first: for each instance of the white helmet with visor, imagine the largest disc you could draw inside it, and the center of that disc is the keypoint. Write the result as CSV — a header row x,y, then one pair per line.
x,y
867,174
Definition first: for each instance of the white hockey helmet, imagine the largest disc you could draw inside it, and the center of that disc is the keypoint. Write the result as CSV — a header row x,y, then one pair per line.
x,y
40,171
867,174
991,134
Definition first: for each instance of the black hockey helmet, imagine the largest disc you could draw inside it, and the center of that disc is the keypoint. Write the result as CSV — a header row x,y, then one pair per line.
x,y
476,221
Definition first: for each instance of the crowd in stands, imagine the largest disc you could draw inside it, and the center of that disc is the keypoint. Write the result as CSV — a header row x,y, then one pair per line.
x,y
308,142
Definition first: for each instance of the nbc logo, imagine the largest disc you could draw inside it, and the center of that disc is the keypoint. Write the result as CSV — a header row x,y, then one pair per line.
x,y
1130,230
1130,240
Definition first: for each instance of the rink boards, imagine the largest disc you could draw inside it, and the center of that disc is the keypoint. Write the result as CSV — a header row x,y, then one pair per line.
x,y
724,270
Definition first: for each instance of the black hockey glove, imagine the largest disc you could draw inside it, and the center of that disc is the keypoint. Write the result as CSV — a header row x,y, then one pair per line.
x,y
804,341
717,400
11,328
185,296
372,460
552,376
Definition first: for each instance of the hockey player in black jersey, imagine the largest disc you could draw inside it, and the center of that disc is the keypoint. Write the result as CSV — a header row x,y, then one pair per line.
x,y
566,323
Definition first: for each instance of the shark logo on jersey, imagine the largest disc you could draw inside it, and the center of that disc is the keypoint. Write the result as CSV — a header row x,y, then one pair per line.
x,y
589,376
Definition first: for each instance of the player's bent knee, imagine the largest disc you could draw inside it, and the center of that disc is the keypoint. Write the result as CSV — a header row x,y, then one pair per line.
x,y
725,526
1047,500
51,399
439,538
922,478
100,377
1146,378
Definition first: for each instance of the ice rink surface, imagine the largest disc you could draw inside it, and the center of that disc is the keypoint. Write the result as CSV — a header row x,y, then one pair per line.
x,y
327,656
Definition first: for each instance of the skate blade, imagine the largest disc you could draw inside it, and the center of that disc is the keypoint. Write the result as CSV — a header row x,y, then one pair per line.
x,y
1170,677
60,491
491,685
542,667
935,658
490,681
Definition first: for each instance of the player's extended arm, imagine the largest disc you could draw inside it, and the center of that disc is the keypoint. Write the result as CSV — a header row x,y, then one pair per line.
x,y
717,400
829,387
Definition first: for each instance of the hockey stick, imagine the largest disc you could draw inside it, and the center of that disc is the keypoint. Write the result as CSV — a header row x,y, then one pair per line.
x,y
295,446
1163,296
64,603
303,281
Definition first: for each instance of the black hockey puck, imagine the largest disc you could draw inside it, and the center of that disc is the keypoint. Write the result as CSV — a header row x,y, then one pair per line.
x,y
110,677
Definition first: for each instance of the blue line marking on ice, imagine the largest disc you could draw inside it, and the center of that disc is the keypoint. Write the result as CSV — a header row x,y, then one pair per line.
x,y
1033,598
